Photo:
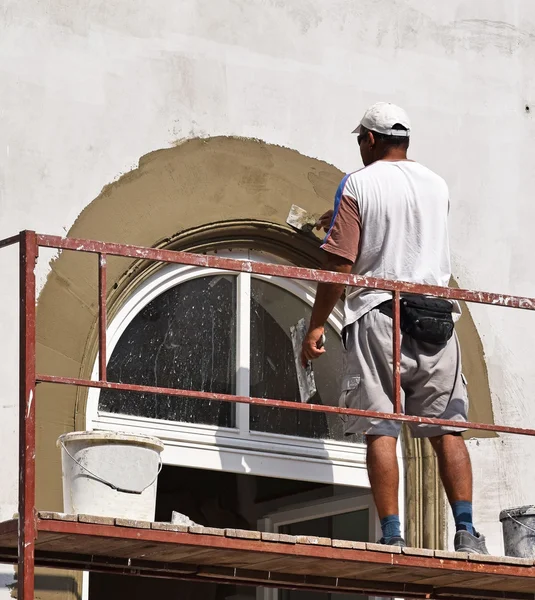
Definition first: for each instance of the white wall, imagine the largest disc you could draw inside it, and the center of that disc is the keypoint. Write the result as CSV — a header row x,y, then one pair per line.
x,y
86,88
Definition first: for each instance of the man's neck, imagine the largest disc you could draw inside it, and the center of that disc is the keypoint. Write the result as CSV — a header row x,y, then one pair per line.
x,y
395,155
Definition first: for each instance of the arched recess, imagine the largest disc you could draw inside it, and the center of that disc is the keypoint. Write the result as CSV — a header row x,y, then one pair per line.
x,y
198,195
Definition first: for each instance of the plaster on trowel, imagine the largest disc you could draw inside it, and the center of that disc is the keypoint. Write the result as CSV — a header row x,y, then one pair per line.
x,y
301,220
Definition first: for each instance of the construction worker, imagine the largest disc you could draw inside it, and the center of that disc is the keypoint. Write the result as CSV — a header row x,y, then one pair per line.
x,y
390,221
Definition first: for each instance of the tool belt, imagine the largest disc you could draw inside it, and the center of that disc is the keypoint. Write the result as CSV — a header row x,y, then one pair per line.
x,y
424,319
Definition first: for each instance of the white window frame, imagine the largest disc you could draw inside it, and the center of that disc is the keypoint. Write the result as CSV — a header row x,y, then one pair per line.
x,y
237,449
326,507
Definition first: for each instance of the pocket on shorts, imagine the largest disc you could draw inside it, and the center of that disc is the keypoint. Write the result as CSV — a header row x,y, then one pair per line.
x,y
465,388
349,398
344,335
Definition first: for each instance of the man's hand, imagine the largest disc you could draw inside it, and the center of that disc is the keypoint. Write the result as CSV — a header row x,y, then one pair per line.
x,y
325,221
312,345
327,295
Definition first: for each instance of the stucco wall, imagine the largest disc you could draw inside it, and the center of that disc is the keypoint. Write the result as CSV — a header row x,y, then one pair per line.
x,y
86,89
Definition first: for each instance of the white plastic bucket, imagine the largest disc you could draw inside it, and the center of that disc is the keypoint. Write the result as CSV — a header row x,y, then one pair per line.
x,y
110,474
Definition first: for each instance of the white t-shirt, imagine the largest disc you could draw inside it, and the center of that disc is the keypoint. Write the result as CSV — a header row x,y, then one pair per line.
x,y
393,217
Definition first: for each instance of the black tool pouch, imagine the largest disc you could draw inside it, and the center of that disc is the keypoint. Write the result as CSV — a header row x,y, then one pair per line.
x,y
424,319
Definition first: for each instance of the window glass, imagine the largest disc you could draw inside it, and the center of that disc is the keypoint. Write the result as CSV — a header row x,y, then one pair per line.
x,y
185,338
273,372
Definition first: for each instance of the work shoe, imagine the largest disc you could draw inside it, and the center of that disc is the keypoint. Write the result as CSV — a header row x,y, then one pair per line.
x,y
395,540
473,544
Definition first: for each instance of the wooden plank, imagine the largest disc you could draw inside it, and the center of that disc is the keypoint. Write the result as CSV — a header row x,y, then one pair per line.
x,y
311,540
278,537
502,560
96,520
241,559
99,545
354,570
483,583
133,523
160,526
243,534
348,544
378,572
308,565
417,551
49,537
451,555
517,585
298,565
163,553
173,552
56,516
198,555
446,579
401,574
200,529
204,556
507,584
117,547
383,548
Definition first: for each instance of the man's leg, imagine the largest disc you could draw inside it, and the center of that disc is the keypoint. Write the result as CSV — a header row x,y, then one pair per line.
x,y
383,474
454,466
456,474
367,385
438,389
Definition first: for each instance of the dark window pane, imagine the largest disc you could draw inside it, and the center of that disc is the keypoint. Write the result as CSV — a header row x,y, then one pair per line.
x,y
185,338
273,374
351,526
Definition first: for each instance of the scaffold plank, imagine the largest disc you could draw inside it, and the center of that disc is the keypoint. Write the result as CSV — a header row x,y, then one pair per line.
x,y
200,554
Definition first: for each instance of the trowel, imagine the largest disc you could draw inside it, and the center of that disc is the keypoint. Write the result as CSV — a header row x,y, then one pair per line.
x,y
301,220
305,375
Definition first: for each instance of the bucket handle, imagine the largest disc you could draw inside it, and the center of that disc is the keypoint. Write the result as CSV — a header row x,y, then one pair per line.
x,y
109,483
518,522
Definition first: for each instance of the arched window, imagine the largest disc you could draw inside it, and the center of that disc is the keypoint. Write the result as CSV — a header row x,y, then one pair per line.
x,y
205,329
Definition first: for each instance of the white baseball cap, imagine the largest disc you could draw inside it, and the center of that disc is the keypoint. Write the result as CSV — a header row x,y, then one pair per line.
x,y
381,118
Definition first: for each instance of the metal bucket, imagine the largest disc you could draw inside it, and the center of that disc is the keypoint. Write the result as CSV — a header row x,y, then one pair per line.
x,y
519,531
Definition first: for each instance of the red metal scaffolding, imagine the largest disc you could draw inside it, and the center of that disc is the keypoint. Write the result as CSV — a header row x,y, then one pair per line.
x,y
29,243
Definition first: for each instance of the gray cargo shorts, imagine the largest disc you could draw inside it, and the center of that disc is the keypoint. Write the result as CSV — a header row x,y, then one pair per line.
x,y
431,379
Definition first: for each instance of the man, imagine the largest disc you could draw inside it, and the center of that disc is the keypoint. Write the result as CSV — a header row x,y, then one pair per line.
x,y
390,221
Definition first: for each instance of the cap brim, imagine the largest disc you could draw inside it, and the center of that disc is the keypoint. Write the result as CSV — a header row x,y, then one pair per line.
x,y
357,130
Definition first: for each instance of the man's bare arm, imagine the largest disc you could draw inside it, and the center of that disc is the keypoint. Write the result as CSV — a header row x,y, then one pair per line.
x,y
327,295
